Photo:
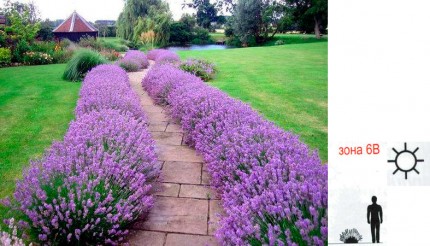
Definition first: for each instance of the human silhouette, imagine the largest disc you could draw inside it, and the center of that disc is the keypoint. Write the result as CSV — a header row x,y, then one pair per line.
x,y
374,218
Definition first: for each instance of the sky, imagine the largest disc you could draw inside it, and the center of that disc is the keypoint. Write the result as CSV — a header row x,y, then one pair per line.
x,y
93,10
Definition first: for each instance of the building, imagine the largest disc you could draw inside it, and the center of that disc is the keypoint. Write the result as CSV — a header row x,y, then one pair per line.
x,y
74,28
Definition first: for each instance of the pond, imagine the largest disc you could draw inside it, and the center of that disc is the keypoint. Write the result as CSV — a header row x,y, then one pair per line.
x,y
199,47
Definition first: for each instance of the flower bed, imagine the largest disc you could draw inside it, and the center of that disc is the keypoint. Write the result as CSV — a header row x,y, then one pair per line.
x,y
201,68
274,189
163,56
133,61
88,188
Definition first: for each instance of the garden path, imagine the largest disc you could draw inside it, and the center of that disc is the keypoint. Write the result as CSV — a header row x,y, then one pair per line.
x,y
186,208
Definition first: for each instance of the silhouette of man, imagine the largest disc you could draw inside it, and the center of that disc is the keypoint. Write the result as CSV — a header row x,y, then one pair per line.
x,y
374,218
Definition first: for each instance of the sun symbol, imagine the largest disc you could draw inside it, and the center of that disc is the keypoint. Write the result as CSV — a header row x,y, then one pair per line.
x,y
406,161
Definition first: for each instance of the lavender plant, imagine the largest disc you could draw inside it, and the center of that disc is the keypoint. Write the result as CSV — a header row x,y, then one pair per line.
x,y
163,56
274,189
88,188
129,65
107,86
11,239
138,56
201,68
162,78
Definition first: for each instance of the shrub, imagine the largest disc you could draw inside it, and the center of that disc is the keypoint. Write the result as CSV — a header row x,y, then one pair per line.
x,y
21,47
110,55
89,187
201,36
201,68
90,43
107,87
274,189
279,42
47,47
129,65
163,78
36,58
5,57
140,58
12,238
64,43
162,55
112,46
82,61
62,56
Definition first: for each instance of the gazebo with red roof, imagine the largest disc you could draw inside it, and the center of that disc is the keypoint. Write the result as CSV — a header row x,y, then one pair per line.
x,y
74,28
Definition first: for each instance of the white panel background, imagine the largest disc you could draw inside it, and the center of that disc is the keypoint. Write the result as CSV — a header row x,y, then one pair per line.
x,y
379,91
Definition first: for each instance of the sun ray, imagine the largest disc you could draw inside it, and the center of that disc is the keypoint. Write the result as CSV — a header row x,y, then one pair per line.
x,y
395,171
420,160
406,146
416,171
416,150
397,152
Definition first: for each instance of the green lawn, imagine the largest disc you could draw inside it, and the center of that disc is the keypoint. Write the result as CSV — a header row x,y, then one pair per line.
x,y
287,84
36,106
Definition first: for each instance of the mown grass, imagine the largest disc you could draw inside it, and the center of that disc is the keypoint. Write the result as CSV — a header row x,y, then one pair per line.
x,y
286,83
36,106
295,39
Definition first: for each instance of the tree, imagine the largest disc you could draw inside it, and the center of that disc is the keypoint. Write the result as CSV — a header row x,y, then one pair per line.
x,y
310,14
142,16
254,21
206,13
155,10
45,31
180,33
247,21
21,28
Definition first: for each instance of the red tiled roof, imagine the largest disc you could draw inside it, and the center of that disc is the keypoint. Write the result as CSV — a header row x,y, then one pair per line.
x,y
75,23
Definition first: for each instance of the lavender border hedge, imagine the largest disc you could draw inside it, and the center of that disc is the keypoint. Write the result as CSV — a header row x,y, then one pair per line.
x,y
274,189
163,56
88,188
133,60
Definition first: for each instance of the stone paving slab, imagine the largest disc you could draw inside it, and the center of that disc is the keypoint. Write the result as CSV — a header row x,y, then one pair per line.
x,y
181,172
177,153
152,108
157,127
205,176
197,191
167,138
181,215
139,238
157,117
215,210
189,240
167,189
174,128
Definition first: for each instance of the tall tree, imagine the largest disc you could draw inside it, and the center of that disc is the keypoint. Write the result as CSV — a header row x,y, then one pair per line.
x,y
156,10
310,14
257,20
206,13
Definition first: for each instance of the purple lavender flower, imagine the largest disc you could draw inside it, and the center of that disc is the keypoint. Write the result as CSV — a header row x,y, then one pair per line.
x,y
89,187
163,56
273,188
